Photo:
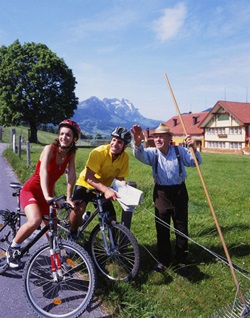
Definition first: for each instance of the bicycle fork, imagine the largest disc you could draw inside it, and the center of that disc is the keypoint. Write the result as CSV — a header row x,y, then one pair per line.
x,y
111,247
56,264
55,256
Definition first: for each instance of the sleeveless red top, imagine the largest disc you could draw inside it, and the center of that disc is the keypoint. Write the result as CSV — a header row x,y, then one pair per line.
x,y
32,187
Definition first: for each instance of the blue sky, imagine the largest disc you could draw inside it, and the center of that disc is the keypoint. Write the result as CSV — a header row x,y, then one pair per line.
x,y
122,48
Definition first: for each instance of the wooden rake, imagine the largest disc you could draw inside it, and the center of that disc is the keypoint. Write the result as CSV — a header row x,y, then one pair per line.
x,y
234,310
243,307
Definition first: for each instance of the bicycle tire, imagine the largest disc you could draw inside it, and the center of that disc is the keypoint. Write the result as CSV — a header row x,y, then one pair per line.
x,y
6,236
3,260
70,296
121,262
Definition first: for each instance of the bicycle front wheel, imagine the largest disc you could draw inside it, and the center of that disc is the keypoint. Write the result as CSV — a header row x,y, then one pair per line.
x,y
70,293
120,258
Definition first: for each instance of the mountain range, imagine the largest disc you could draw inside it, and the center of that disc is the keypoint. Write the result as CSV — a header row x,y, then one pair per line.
x,y
97,116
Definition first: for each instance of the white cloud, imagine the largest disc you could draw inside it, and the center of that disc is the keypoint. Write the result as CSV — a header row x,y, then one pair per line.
x,y
168,26
104,22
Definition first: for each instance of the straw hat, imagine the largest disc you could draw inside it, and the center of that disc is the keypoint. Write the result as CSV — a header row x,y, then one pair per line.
x,y
162,129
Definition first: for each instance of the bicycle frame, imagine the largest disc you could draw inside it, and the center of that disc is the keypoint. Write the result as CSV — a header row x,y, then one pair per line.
x,y
103,218
36,238
59,276
15,222
53,243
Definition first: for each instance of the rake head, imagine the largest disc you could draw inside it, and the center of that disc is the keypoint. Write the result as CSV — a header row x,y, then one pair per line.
x,y
245,312
234,310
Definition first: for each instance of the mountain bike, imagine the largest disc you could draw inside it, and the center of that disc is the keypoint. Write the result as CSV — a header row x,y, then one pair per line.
x,y
112,246
59,276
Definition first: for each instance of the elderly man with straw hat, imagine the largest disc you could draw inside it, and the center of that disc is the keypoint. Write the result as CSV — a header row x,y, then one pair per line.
x,y
170,194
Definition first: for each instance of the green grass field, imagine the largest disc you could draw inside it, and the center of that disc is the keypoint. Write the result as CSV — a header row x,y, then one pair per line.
x,y
210,286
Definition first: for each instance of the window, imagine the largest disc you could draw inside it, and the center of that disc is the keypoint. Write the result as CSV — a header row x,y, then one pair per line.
x,y
216,145
235,145
235,130
223,116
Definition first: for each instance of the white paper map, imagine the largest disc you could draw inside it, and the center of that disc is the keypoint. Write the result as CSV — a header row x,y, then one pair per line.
x,y
130,197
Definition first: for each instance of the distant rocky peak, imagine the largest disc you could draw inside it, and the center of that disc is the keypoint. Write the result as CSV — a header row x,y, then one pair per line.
x,y
121,107
101,116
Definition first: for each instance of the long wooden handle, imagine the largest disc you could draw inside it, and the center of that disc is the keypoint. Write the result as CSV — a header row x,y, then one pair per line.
x,y
207,195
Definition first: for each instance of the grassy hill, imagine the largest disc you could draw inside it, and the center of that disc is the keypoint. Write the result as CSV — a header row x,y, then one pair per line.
x,y
43,136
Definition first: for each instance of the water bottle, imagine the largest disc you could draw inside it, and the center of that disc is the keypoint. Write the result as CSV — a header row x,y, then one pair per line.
x,y
85,216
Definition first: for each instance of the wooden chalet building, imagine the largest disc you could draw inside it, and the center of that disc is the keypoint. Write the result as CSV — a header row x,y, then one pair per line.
x,y
227,128
191,121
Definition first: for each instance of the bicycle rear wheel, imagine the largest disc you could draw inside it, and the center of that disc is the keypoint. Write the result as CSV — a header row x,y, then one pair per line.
x,y
3,260
70,295
119,261
5,240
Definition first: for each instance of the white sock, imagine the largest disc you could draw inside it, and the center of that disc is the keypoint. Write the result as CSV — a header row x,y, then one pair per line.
x,y
14,244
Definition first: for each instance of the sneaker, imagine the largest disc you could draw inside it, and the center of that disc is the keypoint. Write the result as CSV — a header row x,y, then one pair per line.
x,y
13,257
159,267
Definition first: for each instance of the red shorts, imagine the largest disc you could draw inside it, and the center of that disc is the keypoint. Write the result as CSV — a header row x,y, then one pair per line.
x,y
27,197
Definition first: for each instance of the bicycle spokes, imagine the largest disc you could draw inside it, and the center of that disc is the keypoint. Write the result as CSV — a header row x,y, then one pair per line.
x,y
115,252
67,295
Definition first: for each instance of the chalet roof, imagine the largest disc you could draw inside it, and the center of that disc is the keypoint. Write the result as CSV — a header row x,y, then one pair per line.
x,y
240,111
191,122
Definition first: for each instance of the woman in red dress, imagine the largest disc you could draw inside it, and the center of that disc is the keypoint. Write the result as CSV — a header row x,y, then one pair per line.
x,y
38,190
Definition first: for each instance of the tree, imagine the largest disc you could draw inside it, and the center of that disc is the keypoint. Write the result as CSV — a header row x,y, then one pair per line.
x,y
36,87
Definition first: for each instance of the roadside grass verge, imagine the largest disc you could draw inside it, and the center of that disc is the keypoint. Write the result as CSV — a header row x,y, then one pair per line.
x,y
210,285
44,137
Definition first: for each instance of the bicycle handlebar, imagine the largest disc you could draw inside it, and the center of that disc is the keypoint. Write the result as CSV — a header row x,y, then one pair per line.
x,y
56,199
96,192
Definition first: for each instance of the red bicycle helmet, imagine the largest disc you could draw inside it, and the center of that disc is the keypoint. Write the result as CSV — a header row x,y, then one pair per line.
x,y
73,126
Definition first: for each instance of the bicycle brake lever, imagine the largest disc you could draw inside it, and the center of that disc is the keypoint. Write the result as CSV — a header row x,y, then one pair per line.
x,y
67,206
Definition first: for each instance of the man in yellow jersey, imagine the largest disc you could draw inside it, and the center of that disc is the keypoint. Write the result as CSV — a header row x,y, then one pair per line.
x,y
104,164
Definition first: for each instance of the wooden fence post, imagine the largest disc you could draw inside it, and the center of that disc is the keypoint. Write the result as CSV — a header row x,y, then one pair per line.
x,y
19,146
28,152
14,143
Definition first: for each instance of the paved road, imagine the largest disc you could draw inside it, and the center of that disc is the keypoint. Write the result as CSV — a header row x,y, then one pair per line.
x,y
13,303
